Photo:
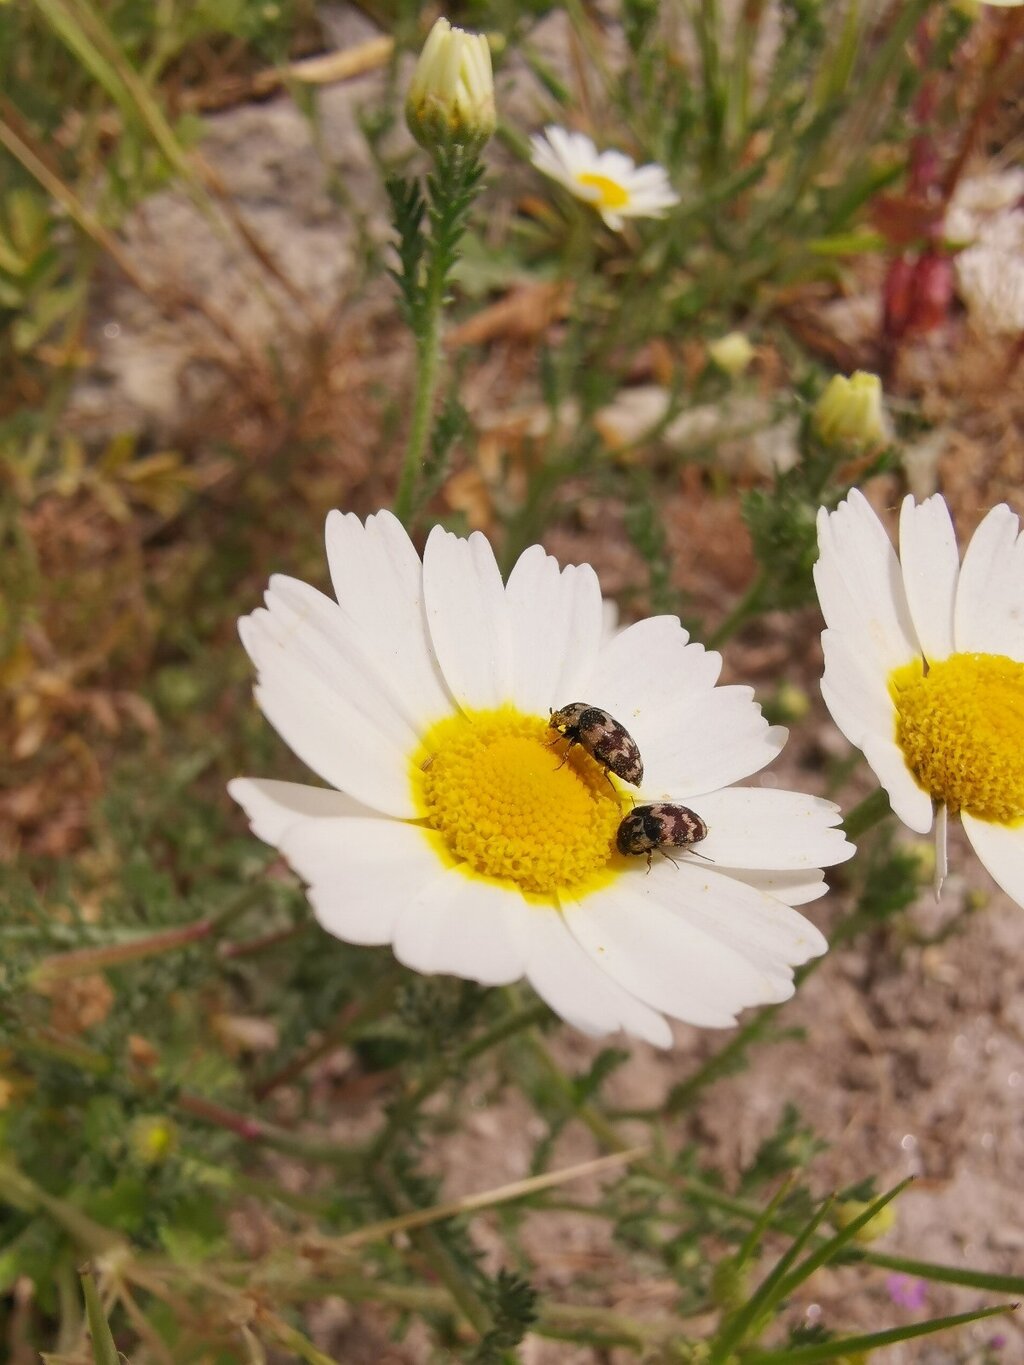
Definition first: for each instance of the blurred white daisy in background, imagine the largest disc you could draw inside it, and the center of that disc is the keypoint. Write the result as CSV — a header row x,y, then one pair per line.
x,y
924,669
458,829
610,181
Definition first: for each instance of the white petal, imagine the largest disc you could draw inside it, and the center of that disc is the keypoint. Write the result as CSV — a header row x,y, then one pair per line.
x,y
718,740
308,630
663,959
325,729
860,585
910,803
761,827
361,874
792,888
990,598
762,930
555,626
854,690
650,668
467,927
578,990
273,807
1000,848
931,566
467,618
378,581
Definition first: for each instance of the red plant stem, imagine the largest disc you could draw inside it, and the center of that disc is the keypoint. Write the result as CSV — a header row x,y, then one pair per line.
x,y
82,961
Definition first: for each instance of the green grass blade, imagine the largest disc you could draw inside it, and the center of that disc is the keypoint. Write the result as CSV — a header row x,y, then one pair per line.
x,y
946,1274
829,1350
767,1293
830,1249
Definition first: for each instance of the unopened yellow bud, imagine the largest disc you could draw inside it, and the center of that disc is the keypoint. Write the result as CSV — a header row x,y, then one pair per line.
x,y
730,1284
451,98
732,353
153,1138
791,703
850,411
883,1221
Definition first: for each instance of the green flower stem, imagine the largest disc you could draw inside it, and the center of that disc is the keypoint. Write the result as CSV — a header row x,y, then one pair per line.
x,y
256,1130
428,353
83,961
427,256
60,1049
351,1018
21,1192
561,1321
439,1258
749,605
104,1352
869,812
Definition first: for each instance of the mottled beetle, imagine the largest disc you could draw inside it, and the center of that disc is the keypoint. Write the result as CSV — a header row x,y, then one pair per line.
x,y
603,738
649,828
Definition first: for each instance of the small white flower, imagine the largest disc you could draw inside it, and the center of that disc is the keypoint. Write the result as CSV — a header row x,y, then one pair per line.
x,y
457,829
610,181
924,669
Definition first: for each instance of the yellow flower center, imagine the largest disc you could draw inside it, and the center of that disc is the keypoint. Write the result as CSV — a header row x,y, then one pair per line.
x,y
961,729
511,805
611,193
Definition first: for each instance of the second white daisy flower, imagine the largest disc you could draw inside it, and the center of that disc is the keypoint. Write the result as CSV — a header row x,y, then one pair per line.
x,y
924,669
461,830
610,181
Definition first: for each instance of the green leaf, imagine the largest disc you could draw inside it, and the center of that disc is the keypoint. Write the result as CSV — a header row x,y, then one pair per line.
x,y
767,1293
830,1350
830,1249
946,1274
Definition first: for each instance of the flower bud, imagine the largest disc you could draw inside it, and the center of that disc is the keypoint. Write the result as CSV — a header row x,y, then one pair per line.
x,y
451,98
732,353
790,703
730,1284
850,411
152,1138
878,1226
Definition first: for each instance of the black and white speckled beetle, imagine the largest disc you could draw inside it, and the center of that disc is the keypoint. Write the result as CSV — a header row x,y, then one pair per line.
x,y
602,737
649,828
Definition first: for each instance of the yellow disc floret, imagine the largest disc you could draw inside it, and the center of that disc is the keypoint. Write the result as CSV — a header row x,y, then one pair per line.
x,y
511,805
961,729
612,195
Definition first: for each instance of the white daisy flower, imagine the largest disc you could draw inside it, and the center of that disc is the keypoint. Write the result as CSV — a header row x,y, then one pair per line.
x,y
611,181
924,669
461,830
